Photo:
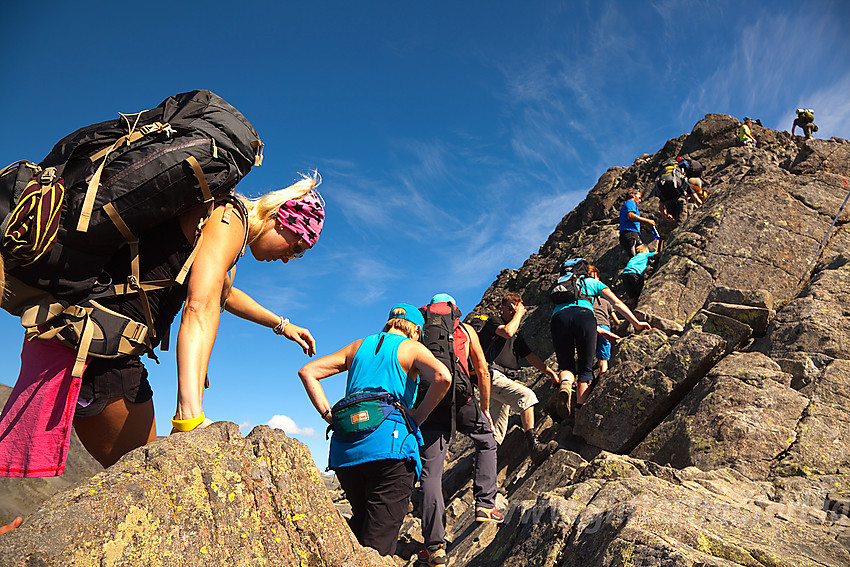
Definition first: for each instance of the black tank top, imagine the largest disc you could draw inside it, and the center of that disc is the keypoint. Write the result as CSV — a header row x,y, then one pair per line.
x,y
162,253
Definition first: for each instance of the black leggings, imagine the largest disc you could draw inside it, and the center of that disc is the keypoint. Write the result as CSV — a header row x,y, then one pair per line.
x,y
574,330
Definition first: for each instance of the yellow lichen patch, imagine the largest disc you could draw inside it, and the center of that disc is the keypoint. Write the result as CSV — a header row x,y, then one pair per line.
x,y
714,546
137,525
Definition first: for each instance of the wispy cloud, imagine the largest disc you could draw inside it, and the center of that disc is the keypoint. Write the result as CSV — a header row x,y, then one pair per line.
x,y
513,235
289,426
774,62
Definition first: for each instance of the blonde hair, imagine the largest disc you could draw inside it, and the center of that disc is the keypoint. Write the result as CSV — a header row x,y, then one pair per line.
x,y
263,208
403,325
642,248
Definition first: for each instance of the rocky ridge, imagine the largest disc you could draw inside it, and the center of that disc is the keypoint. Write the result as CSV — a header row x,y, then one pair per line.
x,y
718,438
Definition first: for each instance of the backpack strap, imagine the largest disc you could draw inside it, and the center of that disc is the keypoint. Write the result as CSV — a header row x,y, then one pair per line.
x,y
129,138
77,325
134,279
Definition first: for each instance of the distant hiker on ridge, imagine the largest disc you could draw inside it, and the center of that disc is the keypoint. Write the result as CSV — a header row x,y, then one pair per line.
x,y
806,121
693,173
503,347
378,467
745,134
630,222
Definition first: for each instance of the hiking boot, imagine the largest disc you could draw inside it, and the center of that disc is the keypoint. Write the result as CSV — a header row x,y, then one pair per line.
x,y
436,557
539,451
489,515
563,399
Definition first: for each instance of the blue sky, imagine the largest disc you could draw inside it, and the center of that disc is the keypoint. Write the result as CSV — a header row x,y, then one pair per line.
x,y
451,137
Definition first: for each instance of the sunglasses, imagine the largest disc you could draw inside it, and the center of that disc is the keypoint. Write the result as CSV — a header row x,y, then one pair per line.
x,y
298,249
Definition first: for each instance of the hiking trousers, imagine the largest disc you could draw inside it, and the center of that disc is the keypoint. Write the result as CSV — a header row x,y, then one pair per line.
x,y
379,492
469,421
507,395
633,285
629,241
677,208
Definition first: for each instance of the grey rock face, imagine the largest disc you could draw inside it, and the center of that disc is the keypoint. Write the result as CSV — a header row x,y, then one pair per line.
x,y
207,497
734,408
743,416
640,391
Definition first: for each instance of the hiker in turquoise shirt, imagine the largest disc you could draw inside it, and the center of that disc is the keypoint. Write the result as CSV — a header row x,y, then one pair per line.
x,y
377,470
632,276
573,328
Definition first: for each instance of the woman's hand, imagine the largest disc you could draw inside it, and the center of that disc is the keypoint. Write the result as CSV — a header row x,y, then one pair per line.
x,y
301,336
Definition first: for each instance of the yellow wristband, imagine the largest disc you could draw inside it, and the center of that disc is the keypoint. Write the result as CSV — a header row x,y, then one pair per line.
x,y
188,424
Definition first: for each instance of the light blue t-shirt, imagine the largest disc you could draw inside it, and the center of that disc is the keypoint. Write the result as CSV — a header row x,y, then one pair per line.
x,y
392,439
590,287
626,224
638,263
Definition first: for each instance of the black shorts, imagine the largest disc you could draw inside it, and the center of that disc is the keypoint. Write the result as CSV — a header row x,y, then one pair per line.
x,y
632,285
630,240
109,378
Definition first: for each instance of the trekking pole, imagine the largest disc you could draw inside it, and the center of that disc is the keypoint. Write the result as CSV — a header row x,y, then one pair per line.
x,y
657,238
822,242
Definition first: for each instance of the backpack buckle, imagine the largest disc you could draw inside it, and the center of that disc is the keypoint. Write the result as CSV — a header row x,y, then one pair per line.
x,y
48,176
158,127
133,282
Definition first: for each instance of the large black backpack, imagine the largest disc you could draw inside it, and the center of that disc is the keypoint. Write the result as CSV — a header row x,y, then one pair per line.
x,y
100,187
568,288
142,169
694,168
446,338
671,181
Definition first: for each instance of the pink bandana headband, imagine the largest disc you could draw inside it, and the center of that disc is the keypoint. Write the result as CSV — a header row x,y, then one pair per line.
x,y
305,218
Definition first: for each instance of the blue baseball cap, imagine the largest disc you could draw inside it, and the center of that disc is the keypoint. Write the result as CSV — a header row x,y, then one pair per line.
x,y
411,314
443,297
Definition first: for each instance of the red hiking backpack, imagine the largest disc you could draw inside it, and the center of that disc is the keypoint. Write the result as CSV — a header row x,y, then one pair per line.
x,y
446,338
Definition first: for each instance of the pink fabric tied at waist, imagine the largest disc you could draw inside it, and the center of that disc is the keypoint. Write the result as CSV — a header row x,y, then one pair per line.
x,y
35,426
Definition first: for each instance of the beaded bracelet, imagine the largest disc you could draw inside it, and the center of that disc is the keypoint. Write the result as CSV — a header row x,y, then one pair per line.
x,y
278,330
